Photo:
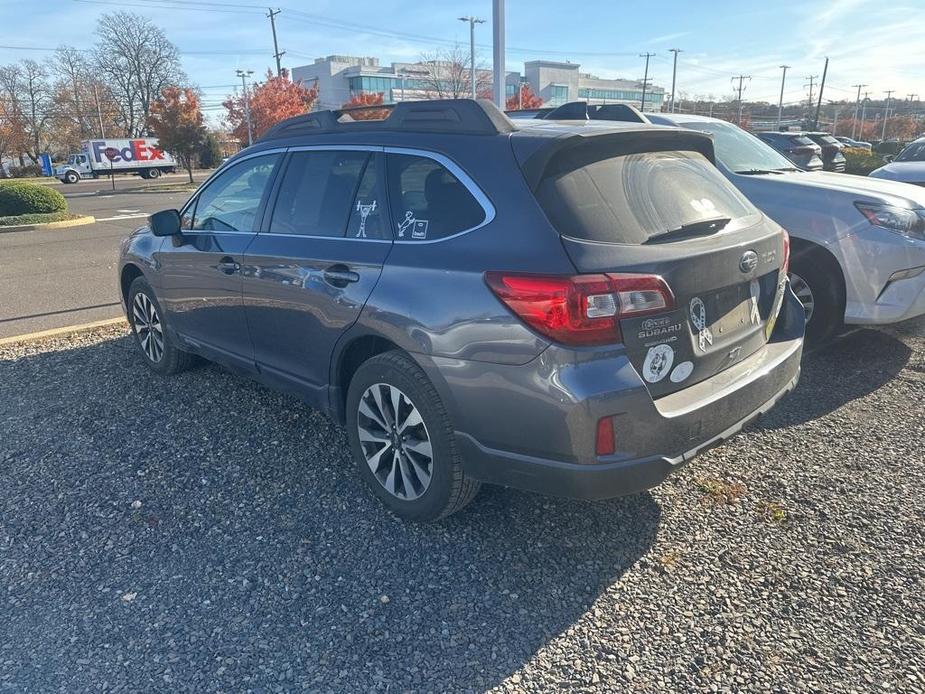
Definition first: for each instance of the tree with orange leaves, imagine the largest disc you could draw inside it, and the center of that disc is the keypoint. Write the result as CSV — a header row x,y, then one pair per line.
x,y
362,101
272,101
176,120
526,99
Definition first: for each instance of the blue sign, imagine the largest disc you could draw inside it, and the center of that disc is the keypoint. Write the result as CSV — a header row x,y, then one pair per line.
x,y
45,160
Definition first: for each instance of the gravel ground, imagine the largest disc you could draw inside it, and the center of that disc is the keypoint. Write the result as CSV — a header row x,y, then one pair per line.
x,y
204,533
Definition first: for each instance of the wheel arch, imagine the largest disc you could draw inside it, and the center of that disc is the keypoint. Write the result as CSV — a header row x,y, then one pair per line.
x,y
129,274
347,359
801,248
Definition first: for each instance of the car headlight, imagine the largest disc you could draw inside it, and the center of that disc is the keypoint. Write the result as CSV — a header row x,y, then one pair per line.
x,y
903,221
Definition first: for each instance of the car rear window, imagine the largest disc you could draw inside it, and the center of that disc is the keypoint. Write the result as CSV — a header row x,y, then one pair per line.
x,y
634,197
801,140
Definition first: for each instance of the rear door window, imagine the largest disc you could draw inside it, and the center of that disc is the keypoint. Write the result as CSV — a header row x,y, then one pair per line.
x,y
428,202
316,192
634,198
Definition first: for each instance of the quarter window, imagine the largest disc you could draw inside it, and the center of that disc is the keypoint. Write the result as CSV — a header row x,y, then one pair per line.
x,y
428,201
231,201
316,193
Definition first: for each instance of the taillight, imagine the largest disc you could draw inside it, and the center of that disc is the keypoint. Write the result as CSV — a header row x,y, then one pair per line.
x,y
785,267
580,309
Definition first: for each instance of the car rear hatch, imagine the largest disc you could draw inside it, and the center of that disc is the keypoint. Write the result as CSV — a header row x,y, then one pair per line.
x,y
650,204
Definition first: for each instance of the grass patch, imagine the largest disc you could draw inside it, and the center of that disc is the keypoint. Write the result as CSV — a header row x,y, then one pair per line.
x,y
20,219
772,511
720,491
30,179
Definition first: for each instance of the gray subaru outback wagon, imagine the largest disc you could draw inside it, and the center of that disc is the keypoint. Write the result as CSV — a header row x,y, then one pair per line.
x,y
568,308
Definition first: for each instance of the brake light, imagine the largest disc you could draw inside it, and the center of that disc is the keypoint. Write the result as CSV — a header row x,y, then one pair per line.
x,y
785,267
604,442
580,309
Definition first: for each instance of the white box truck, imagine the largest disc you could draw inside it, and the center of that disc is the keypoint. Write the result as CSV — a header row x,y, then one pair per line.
x,y
97,158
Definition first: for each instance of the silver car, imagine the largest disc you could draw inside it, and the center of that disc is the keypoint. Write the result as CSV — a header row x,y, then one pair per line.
x,y
908,166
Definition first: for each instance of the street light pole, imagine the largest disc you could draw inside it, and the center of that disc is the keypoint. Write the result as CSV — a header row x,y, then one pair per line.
x,y
645,80
674,74
472,22
498,46
244,74
780,104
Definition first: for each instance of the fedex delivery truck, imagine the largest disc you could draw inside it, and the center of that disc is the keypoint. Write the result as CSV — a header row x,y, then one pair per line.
x,y
97,158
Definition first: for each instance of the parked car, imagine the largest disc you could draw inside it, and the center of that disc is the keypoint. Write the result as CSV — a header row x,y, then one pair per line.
x,y
798,148
908,166
854,144
890,147
858,244
832,157
562,308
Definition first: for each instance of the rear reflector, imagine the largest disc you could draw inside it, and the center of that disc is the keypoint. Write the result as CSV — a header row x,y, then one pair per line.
x,y
580,309
604,443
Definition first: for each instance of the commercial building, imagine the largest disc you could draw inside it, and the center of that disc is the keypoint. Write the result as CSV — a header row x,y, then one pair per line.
x,y
341,77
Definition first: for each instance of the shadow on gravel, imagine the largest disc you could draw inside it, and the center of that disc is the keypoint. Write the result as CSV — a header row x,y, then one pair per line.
x,y
844,370
255,558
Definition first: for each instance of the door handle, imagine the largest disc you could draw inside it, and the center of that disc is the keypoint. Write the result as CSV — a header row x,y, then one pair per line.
x,y
228,266
340,276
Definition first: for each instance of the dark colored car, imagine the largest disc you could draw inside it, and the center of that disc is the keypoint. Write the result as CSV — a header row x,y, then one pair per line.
x,y
797,147
570,309
832,157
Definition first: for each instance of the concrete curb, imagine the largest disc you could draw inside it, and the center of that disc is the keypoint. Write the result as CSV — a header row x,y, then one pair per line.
x,y
67,330
63,224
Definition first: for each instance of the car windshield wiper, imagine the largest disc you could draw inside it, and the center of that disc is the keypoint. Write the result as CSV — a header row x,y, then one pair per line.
x,y
759,172
704,227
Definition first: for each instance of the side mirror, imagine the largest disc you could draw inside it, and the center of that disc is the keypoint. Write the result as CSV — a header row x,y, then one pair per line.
x,y
165,223
888,158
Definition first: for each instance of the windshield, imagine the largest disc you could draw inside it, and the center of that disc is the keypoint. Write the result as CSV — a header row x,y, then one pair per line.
x,y
740,151
914,152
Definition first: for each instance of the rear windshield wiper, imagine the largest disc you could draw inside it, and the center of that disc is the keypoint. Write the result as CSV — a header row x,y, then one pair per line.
x,y
704,227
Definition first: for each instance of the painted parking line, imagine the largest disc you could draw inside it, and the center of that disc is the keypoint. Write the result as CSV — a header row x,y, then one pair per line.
x,y
121,217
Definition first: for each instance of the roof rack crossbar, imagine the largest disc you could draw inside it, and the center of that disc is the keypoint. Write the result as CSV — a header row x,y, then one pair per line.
x,y
451,116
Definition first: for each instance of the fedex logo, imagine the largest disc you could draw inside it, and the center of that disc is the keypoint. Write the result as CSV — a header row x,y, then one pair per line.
x,y
138,150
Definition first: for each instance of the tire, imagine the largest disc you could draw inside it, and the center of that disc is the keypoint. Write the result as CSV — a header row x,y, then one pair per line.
x,y
147,320
413,495
816,279
153,173
71,177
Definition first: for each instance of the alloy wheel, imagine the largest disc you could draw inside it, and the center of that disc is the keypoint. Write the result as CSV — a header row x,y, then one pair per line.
x,y
804,294
395,441
148,327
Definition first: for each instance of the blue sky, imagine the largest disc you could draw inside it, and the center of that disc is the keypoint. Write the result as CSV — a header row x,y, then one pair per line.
x,y
874,42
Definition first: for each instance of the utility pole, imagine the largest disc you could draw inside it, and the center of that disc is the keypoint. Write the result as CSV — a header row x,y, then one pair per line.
x,y
857,107
99,111
886,115
472,22
244,74
674,74
645,80
821,89
498,45
741,79
810,85
276,53
780,104
863,114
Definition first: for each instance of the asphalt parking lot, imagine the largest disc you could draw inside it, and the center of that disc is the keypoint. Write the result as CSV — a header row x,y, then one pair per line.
x,y
203,533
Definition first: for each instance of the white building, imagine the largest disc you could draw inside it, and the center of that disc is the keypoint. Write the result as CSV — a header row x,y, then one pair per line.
x,y
341,77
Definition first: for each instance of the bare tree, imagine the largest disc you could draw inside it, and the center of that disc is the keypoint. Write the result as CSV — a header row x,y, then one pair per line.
x,y
137,61
27,94
446,74
71,98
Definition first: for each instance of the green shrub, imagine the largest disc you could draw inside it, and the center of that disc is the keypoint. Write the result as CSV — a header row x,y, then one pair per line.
x,y
29,198
860,161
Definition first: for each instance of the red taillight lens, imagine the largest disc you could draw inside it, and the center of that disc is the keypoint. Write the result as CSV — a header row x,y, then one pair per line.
x,y
604,442
785,268
580,309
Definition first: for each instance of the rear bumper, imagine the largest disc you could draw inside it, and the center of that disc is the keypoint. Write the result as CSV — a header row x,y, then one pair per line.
x,y
533,426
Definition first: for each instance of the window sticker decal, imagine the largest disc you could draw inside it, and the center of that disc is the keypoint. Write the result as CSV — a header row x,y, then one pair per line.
x,y
682,371
365,211
658,363
418,227
699,318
